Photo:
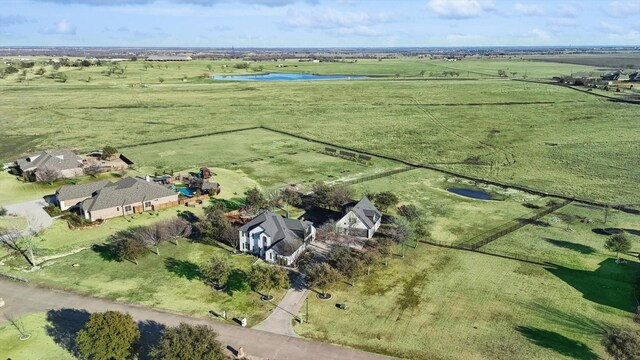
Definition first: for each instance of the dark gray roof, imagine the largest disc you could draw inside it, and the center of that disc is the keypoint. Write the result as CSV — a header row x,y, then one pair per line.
x,y
287,235
68,192
62,159
366,212
124,192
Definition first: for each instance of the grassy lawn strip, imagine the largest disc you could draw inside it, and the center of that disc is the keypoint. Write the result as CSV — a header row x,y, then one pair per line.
x,y
39,346
169,281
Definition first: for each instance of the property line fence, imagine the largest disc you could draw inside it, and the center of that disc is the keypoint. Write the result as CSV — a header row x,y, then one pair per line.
x,y
498,253
15,278
522,188
376,176
483,239
189,137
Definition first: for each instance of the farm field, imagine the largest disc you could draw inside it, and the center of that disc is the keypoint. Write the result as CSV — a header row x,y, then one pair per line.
x,y
542,136
169,281
447,304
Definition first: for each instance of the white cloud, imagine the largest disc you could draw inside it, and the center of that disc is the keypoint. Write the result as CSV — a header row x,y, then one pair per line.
x,y
621,9
568,10
346,23
460,9
619,33
562,21
538,36
528,10
62,27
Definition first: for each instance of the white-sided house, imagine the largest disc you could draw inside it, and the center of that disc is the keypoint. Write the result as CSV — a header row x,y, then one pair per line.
x,y
276,239
361,219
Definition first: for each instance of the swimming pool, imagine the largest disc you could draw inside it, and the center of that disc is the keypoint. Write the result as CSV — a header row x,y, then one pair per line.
x,y
183,190
285,77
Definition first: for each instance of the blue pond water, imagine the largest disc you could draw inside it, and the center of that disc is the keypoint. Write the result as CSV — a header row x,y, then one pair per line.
x,y
184,191
474,194
284,77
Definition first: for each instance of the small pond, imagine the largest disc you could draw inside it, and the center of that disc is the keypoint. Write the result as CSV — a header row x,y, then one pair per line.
x,y
284,77
474,194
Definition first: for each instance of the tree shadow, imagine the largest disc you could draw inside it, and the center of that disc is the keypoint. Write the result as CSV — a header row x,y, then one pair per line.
x,y
107,251
150,333
556,342
183,268
64,325
583,249
576,321
611,284
237,281
614,231
188,216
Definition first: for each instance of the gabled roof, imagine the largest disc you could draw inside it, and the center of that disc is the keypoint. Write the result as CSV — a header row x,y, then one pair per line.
x,y
62,159
287,235
125,192
365,211
68,192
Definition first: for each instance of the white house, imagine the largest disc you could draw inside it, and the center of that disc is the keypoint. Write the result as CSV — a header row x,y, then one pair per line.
x,y
360,219
276,239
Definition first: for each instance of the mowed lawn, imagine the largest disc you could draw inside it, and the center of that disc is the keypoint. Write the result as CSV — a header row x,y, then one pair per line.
x,y
446,304
170,281
573,236
39,346
453,218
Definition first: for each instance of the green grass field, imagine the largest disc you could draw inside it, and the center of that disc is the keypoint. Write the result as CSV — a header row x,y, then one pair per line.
x,y
538,135
39,346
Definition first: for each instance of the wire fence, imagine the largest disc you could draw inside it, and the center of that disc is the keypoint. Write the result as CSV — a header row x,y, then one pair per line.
x,y
15,278
377,176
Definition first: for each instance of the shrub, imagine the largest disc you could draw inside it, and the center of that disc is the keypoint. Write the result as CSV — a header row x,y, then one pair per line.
x,y
3,211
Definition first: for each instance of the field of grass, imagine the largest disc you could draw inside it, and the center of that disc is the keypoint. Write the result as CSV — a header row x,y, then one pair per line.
x,y
169,281
39,346
543,136
453,218
570,237
448,304
270,159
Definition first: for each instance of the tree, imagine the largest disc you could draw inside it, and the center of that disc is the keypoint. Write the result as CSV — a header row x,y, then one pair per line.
x,y
353,269
622,344
254,200
369,258
130,248
409,212
321,276
177,228
420,230
188,342
401,231
18,243
385,200
384,248
216,272
109,335
217,227
327,231
339,195
619,243
267,278
152,236
161,80
291,198
47,175
321,193
3,211
108,152
209,67
502,73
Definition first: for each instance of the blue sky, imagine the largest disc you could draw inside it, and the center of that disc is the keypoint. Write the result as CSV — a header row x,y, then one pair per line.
x,y
318,23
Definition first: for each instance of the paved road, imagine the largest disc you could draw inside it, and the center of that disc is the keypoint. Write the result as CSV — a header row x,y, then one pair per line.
x,y
33,212
279,322
23,299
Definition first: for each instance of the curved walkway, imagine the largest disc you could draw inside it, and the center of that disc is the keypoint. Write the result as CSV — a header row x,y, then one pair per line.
x,y
23,299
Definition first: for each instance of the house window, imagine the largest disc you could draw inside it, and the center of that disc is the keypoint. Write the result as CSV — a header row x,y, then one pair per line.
x,y
127,208
147,204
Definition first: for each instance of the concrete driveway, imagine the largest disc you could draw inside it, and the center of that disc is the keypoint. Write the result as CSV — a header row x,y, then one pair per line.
x,y
34,213
279,321
23,299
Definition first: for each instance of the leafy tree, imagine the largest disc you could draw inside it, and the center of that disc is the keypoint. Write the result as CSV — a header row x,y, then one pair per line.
x,y
385,200
217,227
339,195
369,258
109,335
40,71
3,211
131,248
502,73
619,243
216,271
189,342
291,197
255,200
108,151
384,247
327,231
267,278
161,80
409,212
622,344
321,276
321,193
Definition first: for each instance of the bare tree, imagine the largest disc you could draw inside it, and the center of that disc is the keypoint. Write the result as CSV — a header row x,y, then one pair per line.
x,y
152,236
19,243
47,175
175,229
328,231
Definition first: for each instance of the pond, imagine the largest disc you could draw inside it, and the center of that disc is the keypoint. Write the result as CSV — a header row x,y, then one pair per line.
x,y
285,77
470,193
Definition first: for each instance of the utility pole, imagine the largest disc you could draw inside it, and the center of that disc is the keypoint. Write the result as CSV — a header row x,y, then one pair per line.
x,y
307,317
